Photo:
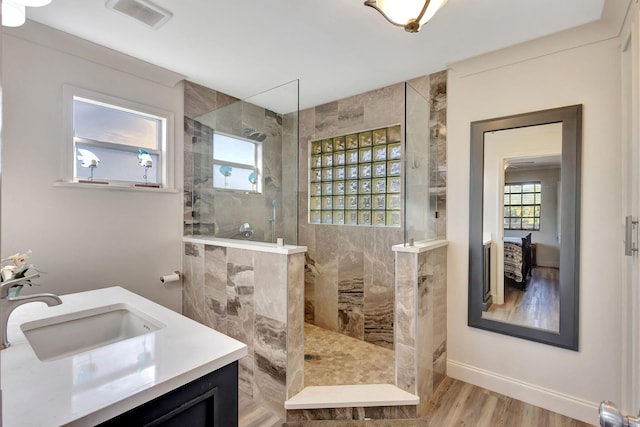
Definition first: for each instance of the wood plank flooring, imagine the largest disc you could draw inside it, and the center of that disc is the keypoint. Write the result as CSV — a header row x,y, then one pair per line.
x,y
455,404
538,307
250,414
461,404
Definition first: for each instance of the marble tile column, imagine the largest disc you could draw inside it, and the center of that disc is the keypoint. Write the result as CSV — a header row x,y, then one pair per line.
x,y
421,319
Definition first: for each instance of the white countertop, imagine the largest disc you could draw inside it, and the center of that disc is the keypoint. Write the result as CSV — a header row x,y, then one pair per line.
x,y
94,386
419,247
246,244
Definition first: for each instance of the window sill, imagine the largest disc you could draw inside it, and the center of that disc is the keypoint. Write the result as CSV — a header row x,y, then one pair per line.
x,y
113,187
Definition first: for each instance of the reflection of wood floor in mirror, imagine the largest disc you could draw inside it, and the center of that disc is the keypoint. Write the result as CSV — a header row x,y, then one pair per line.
x,y
538,307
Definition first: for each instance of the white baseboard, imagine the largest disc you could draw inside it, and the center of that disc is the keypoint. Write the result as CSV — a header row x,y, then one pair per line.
x,y
530,393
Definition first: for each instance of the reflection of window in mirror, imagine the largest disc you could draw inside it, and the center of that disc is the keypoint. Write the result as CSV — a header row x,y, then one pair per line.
x,y
522,206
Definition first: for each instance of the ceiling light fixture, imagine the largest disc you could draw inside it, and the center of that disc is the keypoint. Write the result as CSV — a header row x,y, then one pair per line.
x,y
410,14
13,11
13,14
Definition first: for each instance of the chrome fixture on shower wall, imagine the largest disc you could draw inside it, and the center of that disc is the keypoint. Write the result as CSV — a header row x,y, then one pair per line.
x,y
246,231
254,134
274,204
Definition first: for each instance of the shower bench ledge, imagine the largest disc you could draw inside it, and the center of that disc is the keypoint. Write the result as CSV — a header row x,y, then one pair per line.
x,y
345,396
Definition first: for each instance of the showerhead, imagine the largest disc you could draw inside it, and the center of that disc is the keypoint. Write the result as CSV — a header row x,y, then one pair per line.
x,y
254,134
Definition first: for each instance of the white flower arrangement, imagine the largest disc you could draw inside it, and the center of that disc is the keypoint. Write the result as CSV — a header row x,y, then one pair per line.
x,y
16,267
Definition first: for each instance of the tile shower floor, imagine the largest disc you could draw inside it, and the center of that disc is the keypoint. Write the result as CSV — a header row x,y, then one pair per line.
x,y
335,359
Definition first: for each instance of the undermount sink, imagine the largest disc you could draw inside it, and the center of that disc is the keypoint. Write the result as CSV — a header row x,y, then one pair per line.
x,y
57,337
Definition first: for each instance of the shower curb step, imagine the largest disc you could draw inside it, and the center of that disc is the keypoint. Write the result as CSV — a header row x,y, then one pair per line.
x,y
346,396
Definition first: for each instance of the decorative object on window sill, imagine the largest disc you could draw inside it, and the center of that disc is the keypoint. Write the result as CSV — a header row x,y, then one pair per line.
x,y
16,267
410,14
91,161
147,163
13,11
253,179
226,171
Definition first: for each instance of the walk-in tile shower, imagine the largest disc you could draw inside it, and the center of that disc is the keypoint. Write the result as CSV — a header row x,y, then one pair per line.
x,y
347,181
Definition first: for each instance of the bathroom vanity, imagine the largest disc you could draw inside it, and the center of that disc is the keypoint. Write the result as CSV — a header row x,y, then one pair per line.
x,y
110,357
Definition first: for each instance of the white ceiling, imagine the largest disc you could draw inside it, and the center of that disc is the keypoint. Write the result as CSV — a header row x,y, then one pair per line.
x,y
336,48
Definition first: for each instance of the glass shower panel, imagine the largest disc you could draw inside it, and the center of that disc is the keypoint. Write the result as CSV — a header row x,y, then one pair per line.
x,y
246,168
420,208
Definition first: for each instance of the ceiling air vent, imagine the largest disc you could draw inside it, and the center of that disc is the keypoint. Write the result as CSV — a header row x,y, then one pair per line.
x,y
142,11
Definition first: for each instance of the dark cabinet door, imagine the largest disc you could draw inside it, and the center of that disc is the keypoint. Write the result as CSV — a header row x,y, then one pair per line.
x,y
209,401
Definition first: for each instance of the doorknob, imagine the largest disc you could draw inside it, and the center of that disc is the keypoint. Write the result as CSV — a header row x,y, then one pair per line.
x,y
630,236
610,416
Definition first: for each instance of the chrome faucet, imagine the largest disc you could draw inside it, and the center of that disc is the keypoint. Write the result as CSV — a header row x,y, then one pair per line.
x,y
9,303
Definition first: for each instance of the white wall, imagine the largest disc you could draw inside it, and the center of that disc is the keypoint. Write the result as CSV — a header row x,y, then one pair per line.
x,y
83,238
565,381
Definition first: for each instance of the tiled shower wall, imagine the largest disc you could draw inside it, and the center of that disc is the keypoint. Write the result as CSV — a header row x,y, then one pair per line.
x,y
198,199
210,212
349,278
256,298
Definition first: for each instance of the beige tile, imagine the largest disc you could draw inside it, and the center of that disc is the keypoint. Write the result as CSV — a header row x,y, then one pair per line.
x,y
339,359
270,289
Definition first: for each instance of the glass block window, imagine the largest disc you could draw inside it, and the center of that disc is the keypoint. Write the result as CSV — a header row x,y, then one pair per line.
x,y
355,179
522,206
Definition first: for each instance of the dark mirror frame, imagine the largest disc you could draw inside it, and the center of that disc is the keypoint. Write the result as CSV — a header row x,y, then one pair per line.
x,y
571,118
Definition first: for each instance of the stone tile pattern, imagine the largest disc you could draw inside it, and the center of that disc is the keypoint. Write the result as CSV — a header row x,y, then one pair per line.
x,y
349,271
336,359
421,323
198,100
438,148
244,294
211,212
434,89
295,325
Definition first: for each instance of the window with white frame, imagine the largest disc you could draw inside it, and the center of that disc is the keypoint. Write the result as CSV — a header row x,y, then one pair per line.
x,y
118,142
236,163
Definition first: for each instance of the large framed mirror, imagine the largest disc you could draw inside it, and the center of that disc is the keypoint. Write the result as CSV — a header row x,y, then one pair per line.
x,y
524,225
